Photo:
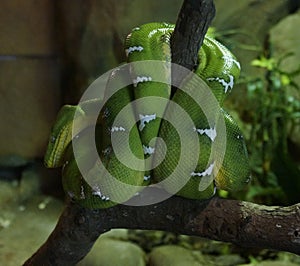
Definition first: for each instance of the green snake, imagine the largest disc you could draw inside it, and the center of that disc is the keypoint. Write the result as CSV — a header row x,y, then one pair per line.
x,y
217,67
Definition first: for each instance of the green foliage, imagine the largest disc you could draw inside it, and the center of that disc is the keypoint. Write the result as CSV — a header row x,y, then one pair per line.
x,y
274,116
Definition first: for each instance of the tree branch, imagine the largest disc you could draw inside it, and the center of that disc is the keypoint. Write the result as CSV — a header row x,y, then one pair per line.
x,y
191,26
243,223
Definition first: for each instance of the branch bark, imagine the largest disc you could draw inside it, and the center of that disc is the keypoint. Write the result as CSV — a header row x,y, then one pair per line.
x,y
191,26
243,223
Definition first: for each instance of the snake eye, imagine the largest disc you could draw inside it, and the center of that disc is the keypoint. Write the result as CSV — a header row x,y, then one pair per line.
x,y
52,139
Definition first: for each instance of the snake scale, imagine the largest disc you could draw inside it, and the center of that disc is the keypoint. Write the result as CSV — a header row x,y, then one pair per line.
x,y
156,120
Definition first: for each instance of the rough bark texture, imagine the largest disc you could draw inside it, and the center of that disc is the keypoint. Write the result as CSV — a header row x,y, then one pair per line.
x,y
243,223
188,34
192,24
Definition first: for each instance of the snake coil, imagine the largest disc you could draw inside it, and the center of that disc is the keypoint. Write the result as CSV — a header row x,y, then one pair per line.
x,y
178,119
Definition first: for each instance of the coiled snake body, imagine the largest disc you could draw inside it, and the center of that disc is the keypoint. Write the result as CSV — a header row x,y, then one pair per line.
x,y
224,166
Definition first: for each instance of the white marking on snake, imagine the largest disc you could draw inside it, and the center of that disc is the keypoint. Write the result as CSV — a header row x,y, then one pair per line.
x,y
71,194
133,49
162,30
210,132
82,196
147,177
106,113
107,151
148,149
140,79
145,119
97,192
136,28
227,85
116,129
229,60
206,172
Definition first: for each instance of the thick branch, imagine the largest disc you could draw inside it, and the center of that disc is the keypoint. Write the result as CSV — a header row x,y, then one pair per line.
x,y
242,223
192,24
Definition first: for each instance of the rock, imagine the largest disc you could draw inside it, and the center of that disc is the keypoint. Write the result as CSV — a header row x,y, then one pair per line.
x,y
26,217
284,39
24,228
246,41
176,256
274,263
8,194
244,29
11,167
119,234
229,260
29,184
112,252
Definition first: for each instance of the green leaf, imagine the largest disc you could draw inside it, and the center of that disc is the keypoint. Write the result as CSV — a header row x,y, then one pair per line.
x,y
263,62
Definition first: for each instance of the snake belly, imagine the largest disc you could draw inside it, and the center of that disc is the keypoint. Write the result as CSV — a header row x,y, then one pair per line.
x,y
218,68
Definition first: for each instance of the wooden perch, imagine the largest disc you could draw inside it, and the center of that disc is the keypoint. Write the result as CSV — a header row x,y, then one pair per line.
x,y
242,223
192,24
